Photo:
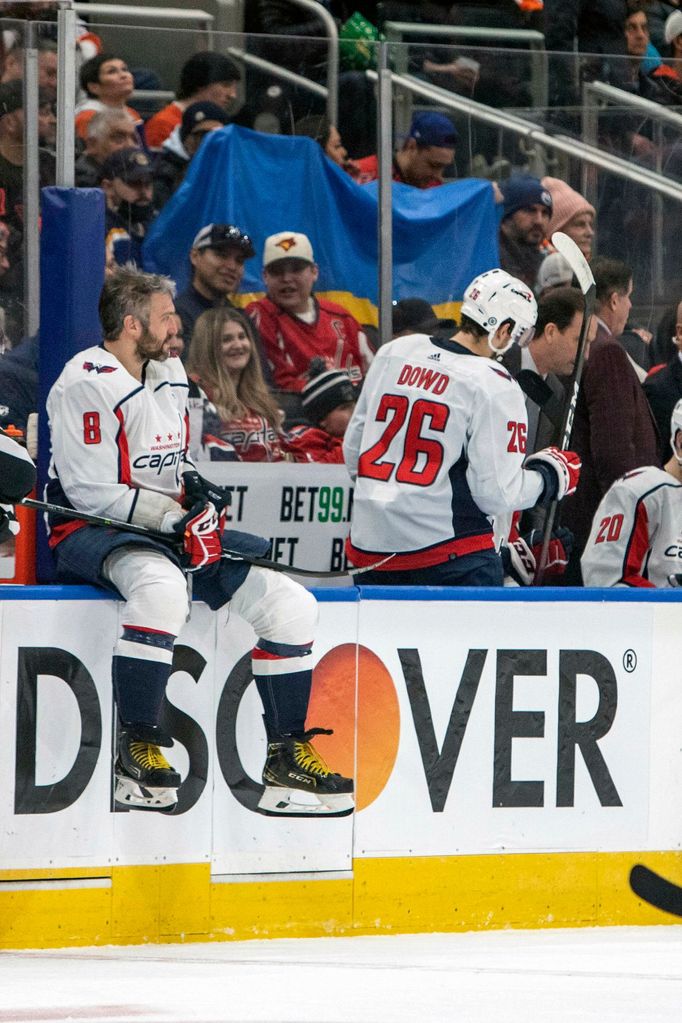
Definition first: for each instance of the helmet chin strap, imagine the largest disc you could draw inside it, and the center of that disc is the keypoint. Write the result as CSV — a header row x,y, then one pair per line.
x,y
505,348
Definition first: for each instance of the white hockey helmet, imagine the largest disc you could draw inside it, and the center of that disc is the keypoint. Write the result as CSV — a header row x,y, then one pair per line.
x,y
675,426
495,297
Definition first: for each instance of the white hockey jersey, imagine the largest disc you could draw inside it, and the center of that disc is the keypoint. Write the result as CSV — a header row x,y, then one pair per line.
x,y
118,444
436,447
636,535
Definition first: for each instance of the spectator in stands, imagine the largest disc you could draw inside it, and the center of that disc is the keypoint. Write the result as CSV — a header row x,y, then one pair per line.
x,y
613,429
19,384
127,184
106,131
416,316
295,325
241,420
177,341
555,272
328,400
13,67
661,83
571,213
12,152
182,145
663,388
526,213
664,26
107,82
318,128
218,254
597,27
205,77
424,156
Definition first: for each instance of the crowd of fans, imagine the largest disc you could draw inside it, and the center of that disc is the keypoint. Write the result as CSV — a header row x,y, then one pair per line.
x,y
277,380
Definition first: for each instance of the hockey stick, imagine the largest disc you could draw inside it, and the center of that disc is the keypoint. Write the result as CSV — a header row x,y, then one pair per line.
x,y
656,890
581,268
168,538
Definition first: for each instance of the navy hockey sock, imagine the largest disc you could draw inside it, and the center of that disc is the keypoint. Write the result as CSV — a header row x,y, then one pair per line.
x,y
283,675
141,667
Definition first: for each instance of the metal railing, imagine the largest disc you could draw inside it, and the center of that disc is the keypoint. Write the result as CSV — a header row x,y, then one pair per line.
x,y
395,31
127,13
596,97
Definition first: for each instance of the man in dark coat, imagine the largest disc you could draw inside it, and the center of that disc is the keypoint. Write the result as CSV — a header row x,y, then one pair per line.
x,y
663,388
613,430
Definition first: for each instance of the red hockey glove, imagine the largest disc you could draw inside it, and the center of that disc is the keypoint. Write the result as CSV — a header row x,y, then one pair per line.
x,y
201,530
560,471
558,552
518,561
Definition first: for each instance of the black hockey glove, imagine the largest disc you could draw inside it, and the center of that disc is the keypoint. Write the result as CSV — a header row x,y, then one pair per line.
x,y
199,489
8,523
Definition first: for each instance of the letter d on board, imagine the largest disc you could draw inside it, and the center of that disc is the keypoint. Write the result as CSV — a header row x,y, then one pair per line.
x,y
60,664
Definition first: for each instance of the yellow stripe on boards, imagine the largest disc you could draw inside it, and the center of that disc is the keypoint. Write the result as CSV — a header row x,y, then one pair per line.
x,y
391,895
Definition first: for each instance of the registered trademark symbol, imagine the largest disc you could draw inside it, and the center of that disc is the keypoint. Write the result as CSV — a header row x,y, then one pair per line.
x,y
629,660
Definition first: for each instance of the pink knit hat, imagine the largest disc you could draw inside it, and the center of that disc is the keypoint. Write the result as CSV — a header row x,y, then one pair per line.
x,y
566,204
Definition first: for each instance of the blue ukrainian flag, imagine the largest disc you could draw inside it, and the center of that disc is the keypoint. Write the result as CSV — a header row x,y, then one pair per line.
x,y
442,237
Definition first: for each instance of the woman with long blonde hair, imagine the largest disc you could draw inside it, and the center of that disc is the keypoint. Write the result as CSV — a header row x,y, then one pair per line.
x,y
241,420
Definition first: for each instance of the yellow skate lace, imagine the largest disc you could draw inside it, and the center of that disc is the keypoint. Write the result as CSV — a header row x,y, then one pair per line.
x,y
148,756
308,759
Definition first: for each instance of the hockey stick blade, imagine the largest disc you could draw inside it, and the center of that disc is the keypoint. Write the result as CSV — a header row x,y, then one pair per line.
x,y
656,890
575,259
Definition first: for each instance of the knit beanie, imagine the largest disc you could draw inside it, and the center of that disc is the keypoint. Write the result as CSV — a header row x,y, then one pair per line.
x,y
326,390
521,190
566,204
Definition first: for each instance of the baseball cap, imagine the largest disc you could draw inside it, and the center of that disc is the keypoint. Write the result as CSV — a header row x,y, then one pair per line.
x,y
130,165
326,390
554,272
197,113
224,236
521,190
11,97
429,128
673,26
287,245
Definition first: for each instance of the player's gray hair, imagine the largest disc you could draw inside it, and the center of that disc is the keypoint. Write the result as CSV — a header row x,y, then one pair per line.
x,y
127,292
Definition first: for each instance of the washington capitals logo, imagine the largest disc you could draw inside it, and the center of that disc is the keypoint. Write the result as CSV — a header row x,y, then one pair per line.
x,y
286,243
98,367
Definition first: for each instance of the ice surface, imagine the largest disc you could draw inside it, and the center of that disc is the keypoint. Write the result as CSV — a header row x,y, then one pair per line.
x,y
628,975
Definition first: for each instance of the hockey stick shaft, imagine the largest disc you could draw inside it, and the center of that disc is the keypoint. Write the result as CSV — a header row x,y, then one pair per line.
x,y
574,257
168,538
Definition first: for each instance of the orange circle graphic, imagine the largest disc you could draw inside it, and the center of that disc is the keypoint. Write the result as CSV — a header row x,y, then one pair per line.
x,y
333,705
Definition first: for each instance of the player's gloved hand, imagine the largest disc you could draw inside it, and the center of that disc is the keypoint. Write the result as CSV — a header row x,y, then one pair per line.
x,y
201,531
518,561
560,471
8,522
558,552
199,489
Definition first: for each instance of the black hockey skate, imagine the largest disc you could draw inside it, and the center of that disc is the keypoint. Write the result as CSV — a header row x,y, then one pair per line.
x,y
298,783
144,778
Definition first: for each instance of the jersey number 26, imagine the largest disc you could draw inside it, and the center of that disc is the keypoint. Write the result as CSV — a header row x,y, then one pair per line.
x,y
421,456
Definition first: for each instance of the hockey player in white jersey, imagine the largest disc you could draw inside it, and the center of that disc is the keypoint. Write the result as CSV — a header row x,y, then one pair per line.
x,y
636,535
118,422
436,448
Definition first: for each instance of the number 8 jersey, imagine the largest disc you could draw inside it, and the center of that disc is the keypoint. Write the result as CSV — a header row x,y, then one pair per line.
x,y
435,447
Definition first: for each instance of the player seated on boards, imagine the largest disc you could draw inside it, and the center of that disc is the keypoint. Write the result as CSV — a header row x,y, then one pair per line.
x,y
118,424
436,448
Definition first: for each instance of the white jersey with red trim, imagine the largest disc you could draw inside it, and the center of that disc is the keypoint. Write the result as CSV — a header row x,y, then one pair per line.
x,y
436,447
118,445
636,535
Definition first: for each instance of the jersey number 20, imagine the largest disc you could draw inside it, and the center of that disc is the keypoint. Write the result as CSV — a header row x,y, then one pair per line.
x,y
416,449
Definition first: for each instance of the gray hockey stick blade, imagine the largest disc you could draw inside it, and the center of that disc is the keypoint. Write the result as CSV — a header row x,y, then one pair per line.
x,y
574,257
656,890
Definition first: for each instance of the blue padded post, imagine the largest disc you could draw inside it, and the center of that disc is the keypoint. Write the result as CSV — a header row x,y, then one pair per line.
x,y
71,278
